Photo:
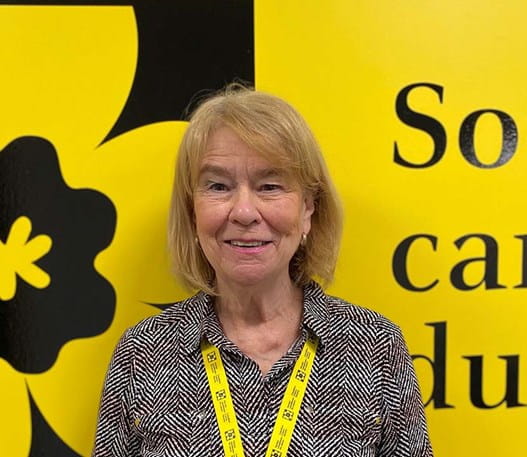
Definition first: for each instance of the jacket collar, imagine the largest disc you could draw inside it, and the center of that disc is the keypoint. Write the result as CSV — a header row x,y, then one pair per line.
x,y
200,318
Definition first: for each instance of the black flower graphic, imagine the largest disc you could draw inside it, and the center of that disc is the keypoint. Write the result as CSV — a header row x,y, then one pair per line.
x,y
78,302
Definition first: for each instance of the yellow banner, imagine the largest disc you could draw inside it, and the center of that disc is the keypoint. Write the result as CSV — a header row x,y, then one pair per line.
x,y
420,109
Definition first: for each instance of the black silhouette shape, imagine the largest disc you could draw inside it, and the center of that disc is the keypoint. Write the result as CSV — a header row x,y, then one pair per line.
x,y
79,302
44,441
186,49
161,306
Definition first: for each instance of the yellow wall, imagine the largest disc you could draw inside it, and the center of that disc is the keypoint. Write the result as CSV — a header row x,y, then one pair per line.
x,y
66,74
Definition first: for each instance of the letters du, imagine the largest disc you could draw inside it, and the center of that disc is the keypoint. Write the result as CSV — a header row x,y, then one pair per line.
x,y
438,364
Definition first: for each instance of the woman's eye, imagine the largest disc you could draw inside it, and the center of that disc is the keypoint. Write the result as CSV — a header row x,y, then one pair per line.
x,y
217,187
270,187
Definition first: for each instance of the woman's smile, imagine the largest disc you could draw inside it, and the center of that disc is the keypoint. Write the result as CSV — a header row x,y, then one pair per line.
x,y
248,247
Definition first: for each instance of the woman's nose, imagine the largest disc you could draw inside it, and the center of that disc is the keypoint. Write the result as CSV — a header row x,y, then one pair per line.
x,y
244,208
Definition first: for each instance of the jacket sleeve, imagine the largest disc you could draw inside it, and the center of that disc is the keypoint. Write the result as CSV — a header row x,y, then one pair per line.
x,y
405,431
115,436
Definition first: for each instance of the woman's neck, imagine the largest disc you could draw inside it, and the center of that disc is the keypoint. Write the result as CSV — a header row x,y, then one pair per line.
x,y
243,305
263,323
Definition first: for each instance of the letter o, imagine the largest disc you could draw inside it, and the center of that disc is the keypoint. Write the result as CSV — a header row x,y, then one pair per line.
x,y
509,140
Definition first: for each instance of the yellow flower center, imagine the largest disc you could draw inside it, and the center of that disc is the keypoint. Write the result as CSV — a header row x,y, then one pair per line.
x,y
18,256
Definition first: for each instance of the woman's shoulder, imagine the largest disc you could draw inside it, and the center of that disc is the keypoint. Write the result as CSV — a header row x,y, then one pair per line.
x,y
354,316
343,315
365,327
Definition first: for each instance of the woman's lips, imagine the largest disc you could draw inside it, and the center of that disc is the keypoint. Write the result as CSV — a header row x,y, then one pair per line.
x,y
248,246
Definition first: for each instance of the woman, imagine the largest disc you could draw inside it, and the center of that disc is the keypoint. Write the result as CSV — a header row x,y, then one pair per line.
x,y
260,361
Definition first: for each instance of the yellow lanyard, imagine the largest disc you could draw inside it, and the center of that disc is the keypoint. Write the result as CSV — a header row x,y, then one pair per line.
x,y
289,408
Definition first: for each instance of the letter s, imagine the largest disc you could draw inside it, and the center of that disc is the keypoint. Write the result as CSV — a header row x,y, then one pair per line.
x,y
422,122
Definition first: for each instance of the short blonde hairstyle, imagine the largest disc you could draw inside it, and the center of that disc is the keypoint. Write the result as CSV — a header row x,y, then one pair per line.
x,y
278,132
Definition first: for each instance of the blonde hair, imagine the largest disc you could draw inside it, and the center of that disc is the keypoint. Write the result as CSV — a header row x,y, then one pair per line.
x,y
278,132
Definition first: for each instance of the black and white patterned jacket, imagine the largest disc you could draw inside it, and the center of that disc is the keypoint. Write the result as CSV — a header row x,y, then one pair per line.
x,y
362,398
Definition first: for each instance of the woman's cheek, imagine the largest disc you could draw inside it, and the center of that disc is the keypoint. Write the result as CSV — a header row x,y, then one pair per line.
x,y
209,215
285,219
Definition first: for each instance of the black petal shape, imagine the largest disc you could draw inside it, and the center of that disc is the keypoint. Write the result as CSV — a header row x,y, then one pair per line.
x,y
44,441
79,302
185,47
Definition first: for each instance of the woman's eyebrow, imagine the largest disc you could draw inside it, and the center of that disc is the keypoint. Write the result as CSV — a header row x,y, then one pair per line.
x,y
270,173
214,170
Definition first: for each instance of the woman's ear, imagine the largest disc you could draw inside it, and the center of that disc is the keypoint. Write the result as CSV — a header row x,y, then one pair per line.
x,y
309,209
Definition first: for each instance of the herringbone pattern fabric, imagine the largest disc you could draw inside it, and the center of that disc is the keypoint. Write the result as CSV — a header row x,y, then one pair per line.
x,y
362,398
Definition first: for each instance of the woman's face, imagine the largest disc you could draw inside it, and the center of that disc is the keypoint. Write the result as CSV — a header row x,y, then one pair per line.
x,y
249,217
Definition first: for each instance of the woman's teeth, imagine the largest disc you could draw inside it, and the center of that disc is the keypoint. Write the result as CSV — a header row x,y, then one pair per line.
x,y
248,244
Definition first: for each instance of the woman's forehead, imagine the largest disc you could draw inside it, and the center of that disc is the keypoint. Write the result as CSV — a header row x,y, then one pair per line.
x,y
262,143
225,148
218,165
225,153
